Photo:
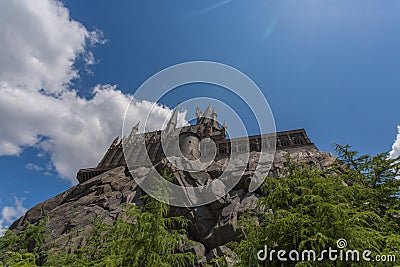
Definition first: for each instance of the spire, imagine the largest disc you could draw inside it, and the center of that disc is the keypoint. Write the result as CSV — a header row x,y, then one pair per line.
x,y
208,112
115,142
172,122
214,120
198,114
134,130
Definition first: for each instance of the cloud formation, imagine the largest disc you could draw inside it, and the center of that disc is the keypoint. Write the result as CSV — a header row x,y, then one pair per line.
x,y
395,152
33,167
39,44
73,130
11,213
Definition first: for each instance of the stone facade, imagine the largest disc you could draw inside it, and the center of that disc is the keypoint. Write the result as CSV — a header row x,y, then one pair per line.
x,y
189,143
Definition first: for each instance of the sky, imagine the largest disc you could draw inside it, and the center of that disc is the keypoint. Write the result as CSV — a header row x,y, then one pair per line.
x,y
68,70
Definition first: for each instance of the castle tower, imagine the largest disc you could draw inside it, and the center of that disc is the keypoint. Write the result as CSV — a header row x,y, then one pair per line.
x,y
134,130
208,113
198,115
214,120
189,144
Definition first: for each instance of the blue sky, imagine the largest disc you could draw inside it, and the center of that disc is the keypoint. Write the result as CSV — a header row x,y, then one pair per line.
x,y
331,67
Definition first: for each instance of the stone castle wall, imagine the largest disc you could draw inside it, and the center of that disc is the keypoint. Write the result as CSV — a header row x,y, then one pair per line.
x,y
114,156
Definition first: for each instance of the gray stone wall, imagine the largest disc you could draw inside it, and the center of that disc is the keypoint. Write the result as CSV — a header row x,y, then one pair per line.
x,y
115,157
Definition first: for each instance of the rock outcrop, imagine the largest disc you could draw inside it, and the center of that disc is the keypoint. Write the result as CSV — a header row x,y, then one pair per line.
x,y
213,225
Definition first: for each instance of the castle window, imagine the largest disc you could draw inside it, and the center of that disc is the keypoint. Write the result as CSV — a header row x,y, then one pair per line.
x,y
285,142
234,147
298,141
222,148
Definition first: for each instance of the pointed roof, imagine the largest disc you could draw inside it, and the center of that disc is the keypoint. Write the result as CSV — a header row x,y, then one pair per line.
x,y
136,126
115,142
173,121
208,112
133,132
198,112
174,118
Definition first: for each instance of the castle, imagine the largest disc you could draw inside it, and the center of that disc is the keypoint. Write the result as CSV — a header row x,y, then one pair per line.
x,y
190,137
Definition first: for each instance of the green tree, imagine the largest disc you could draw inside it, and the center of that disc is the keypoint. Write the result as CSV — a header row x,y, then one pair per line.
x,y
310,209
24,248
141,237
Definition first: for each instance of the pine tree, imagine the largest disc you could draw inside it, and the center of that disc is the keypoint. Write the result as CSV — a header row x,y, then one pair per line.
x,y
310,209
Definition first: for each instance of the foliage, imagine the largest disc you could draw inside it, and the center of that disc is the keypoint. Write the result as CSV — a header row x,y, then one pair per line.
x,y
24,248
143,236
356,199
308,208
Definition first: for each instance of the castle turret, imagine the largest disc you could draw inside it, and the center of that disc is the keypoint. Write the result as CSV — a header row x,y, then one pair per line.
x,y
134,130
189,144
198,114
214,120
115,142
208,113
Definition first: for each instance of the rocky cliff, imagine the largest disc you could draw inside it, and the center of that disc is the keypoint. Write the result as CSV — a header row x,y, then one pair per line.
x,y
212,226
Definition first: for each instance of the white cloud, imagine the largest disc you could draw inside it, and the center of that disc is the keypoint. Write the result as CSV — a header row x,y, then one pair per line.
x,y
39,45
395,152
33,167
74,131
3,229
10,213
